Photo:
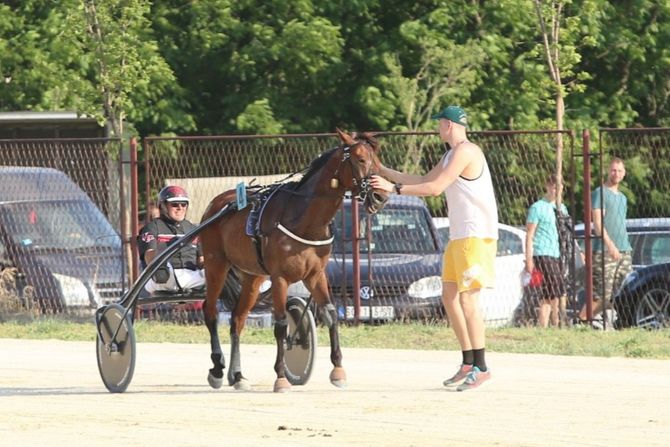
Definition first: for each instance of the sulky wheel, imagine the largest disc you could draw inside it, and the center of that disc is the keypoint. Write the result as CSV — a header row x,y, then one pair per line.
x,y
116,357
301,342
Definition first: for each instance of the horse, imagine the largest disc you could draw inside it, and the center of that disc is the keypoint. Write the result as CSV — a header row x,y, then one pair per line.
x,y
294,245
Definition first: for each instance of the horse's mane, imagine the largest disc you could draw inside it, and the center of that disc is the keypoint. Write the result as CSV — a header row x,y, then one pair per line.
x,y
321,160
315,166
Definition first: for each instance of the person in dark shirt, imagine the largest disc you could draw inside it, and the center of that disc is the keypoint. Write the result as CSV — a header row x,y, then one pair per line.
x,y
183,270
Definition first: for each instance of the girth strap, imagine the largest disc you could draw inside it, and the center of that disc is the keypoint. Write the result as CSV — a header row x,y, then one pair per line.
x,y
258,243
288,232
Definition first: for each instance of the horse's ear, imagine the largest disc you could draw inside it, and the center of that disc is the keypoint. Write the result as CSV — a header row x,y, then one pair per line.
x,y
370,137
345,137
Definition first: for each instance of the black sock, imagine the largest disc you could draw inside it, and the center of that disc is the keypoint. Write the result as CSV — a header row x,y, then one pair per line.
x,y
479,359
468,357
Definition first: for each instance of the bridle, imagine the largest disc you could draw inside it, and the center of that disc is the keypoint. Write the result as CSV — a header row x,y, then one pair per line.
x,y
365,193
363,187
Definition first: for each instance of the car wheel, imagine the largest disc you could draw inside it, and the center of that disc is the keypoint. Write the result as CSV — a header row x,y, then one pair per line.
x,y
652,310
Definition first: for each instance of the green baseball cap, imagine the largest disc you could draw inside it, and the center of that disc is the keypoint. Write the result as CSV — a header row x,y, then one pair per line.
x,y
453,113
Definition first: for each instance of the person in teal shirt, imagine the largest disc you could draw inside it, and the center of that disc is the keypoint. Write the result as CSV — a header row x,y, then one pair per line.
x,y
609,208
543,252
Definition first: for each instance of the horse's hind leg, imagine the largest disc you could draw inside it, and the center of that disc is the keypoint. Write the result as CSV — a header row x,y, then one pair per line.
x,y
318,287
216,271
248,295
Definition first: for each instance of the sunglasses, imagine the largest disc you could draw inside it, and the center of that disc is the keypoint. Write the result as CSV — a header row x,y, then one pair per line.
x,y
178,205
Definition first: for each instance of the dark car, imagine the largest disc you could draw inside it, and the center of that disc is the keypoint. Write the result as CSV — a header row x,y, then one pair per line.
x,y
400,263
644,298
59,247
650,239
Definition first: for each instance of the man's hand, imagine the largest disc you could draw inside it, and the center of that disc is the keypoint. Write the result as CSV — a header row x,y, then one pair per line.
x,y
378,182
614,252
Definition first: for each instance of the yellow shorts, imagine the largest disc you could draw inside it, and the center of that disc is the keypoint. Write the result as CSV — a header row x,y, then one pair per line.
x,y
470,263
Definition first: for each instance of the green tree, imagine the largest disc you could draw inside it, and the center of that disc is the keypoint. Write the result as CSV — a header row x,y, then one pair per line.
x,y
96,59
231,55
629,64
40,70
559,34
123,59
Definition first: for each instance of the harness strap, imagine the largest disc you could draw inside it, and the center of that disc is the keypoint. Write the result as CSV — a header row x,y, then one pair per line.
x,y
257,238
288,232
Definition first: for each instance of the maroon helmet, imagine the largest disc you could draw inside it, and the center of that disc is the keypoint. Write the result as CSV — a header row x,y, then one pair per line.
x,y
173,194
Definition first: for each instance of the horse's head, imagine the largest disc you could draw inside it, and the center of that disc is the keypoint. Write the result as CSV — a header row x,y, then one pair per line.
x,y
360,153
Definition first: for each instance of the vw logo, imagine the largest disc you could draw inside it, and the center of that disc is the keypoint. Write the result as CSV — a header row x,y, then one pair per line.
x,y
366,293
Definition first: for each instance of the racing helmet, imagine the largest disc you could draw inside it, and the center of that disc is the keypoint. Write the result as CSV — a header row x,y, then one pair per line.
x,y
172,194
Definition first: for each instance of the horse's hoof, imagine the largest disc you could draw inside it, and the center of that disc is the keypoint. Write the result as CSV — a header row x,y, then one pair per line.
x,y
214,382
282,385
231,378
242,385
338,377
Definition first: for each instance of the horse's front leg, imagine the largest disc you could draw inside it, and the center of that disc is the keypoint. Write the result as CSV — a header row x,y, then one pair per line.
x,y
279,290
215,275
318,287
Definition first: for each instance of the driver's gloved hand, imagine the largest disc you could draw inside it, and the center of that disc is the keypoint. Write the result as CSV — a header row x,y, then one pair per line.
x,y
162,275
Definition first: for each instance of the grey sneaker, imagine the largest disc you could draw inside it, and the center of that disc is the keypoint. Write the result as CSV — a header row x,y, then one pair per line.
x,y
474,379
460,375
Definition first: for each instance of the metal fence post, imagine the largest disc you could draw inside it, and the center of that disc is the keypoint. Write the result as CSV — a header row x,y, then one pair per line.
x,y
588,269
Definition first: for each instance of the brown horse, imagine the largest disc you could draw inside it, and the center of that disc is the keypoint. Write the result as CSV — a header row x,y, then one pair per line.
x,y
294,246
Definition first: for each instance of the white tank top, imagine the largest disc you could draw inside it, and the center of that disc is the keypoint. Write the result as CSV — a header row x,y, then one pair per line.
x,y
473,211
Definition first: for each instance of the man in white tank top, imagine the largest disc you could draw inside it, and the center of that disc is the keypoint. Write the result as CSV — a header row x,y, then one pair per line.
x,y
468,264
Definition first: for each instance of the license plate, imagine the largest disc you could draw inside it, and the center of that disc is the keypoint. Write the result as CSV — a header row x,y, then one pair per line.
x,y
378,312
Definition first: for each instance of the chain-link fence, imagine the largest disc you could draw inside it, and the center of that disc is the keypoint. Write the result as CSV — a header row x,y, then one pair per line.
x,y
60,250
86,189
520,163
643,297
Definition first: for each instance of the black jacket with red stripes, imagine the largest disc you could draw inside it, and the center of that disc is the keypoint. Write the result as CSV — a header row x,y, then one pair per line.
x,y
160,233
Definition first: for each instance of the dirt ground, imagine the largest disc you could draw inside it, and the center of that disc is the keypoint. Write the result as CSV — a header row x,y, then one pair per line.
x,y
51,394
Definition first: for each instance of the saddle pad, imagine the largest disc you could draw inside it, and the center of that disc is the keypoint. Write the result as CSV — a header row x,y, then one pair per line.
x,y
258,205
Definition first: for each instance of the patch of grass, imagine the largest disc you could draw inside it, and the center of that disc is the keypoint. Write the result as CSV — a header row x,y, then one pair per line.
x,y
632,343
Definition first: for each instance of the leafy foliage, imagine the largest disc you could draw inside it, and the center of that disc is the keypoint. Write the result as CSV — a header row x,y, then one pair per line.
x,y
223,66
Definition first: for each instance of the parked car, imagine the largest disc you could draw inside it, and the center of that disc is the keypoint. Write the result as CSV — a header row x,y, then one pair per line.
x,y
400,264
60,248
650,239
644,298
499,304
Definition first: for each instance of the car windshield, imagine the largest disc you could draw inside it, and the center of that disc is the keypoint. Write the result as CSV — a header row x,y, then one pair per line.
x,y
654,247
66,224
393,230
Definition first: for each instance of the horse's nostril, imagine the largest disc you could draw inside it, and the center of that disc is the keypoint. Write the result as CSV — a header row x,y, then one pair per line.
x,y
376,201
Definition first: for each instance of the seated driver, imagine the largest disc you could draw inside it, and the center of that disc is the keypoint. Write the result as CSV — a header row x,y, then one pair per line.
x,y
183,270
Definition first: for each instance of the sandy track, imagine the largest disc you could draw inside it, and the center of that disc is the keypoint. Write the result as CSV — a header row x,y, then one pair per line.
x,y
51,394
